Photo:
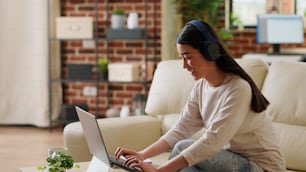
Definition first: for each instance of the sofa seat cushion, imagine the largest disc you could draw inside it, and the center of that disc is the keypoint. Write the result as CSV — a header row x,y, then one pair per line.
x,y
292,142
285,87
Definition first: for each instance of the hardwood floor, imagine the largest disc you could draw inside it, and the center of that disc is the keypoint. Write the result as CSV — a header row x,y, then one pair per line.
x,y
26,146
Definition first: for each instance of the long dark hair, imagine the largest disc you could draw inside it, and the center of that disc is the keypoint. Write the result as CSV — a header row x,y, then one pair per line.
x,y
190,35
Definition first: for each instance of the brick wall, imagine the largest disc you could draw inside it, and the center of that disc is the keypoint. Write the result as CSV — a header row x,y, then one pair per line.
x,y
245,42
116,94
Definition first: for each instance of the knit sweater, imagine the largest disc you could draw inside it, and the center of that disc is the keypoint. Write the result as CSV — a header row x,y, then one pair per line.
x,y
229,123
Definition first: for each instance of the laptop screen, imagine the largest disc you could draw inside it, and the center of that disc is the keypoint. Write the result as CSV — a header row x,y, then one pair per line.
x,y
93,135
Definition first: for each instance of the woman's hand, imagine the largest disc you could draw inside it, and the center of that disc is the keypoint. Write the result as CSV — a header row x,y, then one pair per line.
x,y
136,163
127,153
134,159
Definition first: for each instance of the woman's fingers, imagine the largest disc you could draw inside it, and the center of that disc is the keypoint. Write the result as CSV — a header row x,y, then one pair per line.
x,y
118,152
133,162
124,152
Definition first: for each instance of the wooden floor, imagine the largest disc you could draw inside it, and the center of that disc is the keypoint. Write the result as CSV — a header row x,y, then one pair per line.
x,y
26,146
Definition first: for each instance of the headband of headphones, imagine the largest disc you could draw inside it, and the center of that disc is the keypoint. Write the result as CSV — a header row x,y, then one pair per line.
x,y
209,46
205,34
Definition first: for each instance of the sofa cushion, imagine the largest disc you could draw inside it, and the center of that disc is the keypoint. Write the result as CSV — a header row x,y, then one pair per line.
x,y
170,88
292,143
285,87
256,68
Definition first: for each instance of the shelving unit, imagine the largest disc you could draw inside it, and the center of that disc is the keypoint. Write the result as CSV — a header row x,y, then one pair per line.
x,y
106,38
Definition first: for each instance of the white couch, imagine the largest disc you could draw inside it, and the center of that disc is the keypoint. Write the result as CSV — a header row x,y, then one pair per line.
x,y
283,83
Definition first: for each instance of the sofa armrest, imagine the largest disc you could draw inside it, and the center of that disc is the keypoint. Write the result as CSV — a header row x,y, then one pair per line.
x,y
135,132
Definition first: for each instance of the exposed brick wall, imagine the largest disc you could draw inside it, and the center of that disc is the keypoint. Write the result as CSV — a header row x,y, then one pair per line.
x,y
118,50
245,42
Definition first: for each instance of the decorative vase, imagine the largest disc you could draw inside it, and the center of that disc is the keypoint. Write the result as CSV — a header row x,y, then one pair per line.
x,y
132,21
117,21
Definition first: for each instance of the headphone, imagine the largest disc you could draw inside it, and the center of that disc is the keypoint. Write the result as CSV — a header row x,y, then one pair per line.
x,y
210,47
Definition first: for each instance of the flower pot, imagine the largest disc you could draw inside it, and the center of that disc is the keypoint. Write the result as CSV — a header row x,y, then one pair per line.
x,y
117,21
103,76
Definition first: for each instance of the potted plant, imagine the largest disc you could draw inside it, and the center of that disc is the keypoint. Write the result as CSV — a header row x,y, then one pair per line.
x,y
118,18
59,162
102,67
205,10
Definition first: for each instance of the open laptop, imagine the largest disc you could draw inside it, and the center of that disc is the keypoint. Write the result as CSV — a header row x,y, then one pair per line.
x,y
101,159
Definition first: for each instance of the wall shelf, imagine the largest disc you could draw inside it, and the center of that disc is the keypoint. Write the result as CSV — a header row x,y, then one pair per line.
x,y
102,36
112,34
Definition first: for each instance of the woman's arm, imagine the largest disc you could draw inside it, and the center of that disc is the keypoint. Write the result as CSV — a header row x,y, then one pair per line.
x,y
158,147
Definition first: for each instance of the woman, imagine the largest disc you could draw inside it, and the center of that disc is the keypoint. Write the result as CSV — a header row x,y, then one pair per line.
x,y
238,134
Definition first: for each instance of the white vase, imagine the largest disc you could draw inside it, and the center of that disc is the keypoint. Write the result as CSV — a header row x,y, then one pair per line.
x,y
132,21
117,21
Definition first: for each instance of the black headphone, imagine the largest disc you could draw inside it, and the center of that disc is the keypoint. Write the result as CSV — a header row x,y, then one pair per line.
x,y
210,47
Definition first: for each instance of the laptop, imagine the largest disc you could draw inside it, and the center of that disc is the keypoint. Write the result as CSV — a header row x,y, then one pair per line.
x,y
96,144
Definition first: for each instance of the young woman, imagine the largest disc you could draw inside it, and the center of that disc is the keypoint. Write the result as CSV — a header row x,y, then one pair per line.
x,y
238,135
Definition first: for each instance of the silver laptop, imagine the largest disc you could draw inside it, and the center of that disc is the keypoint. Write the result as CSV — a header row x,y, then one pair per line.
x,y
95,141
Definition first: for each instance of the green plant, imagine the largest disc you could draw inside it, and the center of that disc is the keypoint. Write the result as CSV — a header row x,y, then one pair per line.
x,y
118,11
59,162
102,64
205,10
234,21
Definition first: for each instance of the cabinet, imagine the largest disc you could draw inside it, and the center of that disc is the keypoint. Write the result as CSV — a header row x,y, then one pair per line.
x,y
117,45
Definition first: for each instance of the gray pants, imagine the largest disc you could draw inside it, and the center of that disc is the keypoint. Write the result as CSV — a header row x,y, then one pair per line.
x,y
223,161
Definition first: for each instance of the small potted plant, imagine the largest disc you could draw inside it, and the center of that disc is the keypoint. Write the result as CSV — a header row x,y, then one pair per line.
x,y
118,18
59,162
102,67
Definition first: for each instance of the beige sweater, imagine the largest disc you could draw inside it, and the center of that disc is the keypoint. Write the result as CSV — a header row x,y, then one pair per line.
x,y
229,123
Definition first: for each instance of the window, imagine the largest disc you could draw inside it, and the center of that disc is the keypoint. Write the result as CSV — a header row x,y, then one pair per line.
x,y
246,11
301,7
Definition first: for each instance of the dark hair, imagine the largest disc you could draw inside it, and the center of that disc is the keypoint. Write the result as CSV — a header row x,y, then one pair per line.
x,y
190,35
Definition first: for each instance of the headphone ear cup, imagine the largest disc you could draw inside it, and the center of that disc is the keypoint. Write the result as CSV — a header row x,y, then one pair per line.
x,y
211,50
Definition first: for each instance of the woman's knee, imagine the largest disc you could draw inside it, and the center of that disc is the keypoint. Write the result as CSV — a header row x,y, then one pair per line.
x,y
179,147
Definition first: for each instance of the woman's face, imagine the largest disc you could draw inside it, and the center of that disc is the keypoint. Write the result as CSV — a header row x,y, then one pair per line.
x,y
193,61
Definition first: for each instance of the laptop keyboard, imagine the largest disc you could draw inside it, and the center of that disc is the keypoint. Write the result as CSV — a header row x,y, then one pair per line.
x,y
119,163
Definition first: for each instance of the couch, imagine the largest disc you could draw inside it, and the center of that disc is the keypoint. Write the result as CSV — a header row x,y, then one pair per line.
x,y
283,83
